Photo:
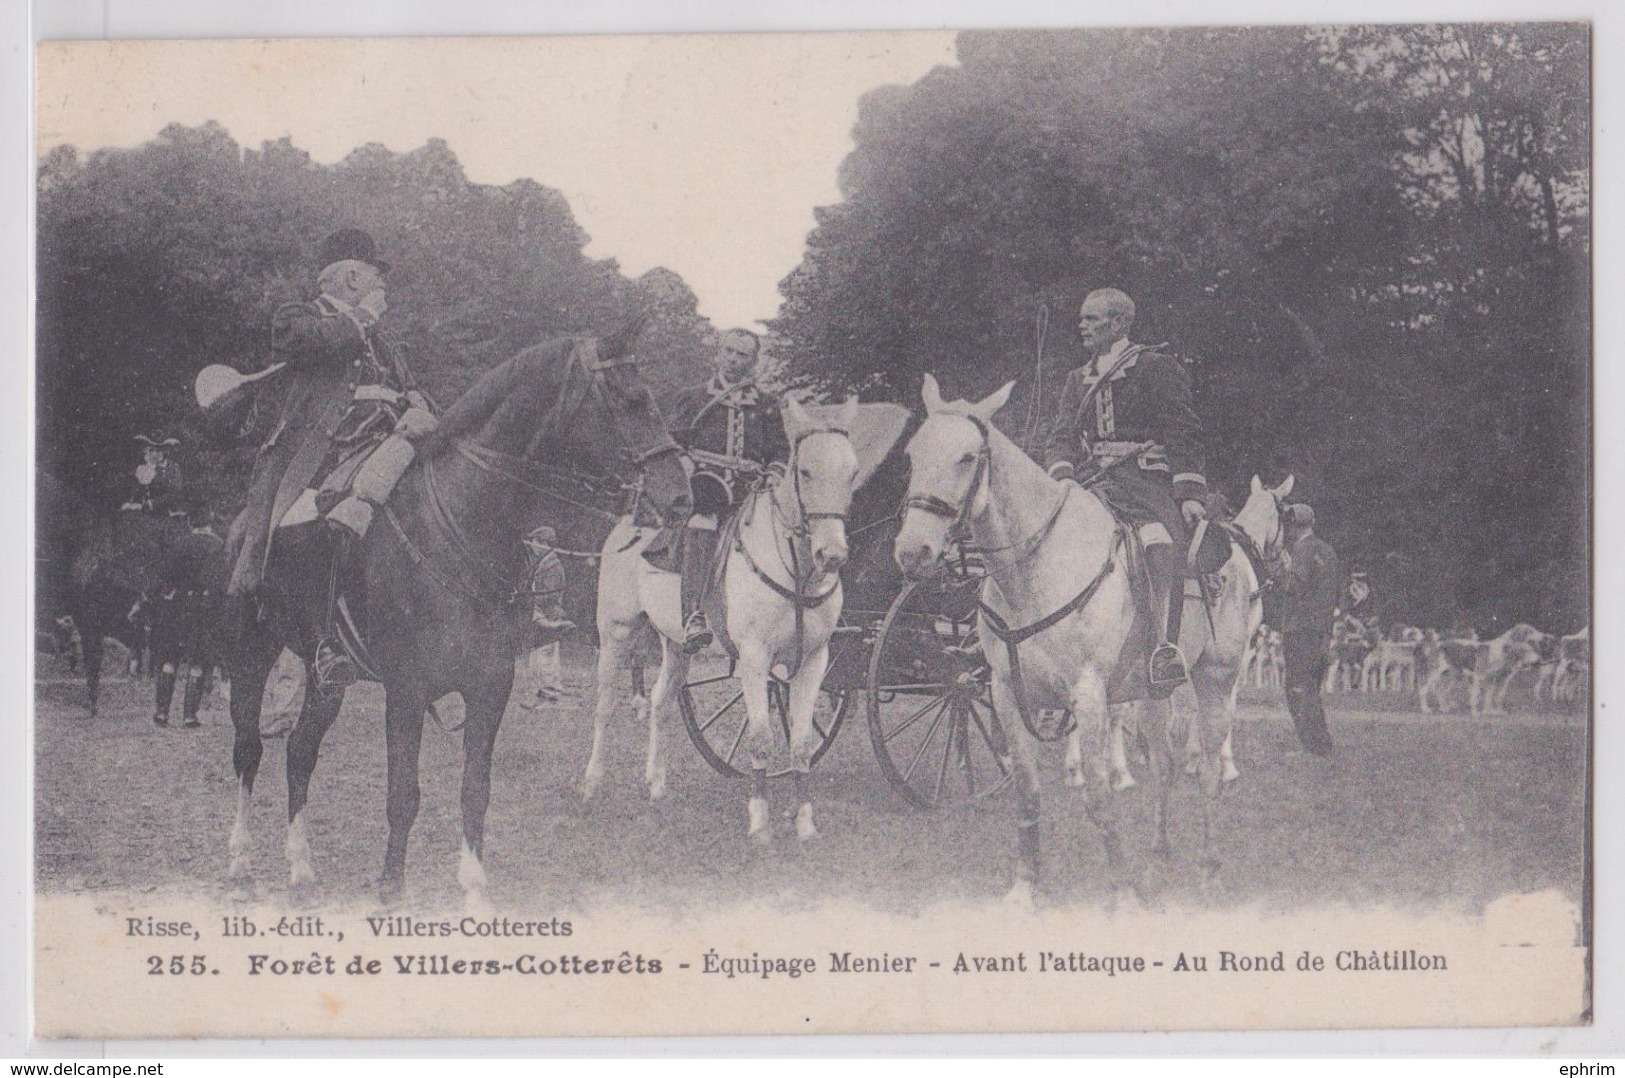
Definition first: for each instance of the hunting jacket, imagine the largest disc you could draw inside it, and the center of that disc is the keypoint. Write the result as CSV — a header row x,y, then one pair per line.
x,y
742,421
1311,588
1147,400
329,352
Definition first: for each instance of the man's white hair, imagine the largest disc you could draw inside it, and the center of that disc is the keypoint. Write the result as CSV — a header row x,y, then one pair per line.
x,y
1117,303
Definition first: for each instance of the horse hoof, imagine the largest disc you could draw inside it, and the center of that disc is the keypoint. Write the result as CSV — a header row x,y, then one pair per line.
x,y
1229,772
390,892
302,893
657,789
1020,897
1123,781
806,830
476,904
239,888
761,822
1074,775
589,789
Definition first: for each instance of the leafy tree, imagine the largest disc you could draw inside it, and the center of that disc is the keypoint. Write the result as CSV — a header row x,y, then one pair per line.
x,y
1369,242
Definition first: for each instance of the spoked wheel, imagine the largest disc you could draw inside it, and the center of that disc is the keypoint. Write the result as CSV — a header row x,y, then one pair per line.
x,y
713,705
931,717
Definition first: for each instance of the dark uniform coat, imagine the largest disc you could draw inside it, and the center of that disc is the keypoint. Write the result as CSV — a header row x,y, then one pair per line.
x,y
1148,399
1312,589
741,421
329,354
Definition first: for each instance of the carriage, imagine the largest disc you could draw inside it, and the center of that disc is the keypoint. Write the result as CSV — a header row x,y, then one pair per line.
x,y
904,658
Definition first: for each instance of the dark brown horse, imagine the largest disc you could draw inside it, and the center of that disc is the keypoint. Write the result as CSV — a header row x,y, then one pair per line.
x,y
440,569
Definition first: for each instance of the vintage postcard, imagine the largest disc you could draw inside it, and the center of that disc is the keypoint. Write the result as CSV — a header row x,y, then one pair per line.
x,y
813,533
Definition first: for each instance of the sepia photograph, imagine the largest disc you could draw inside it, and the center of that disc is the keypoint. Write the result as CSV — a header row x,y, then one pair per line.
x,y
1041,530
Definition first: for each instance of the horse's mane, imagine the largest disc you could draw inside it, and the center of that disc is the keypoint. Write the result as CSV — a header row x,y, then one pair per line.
x,y
496,385
473,408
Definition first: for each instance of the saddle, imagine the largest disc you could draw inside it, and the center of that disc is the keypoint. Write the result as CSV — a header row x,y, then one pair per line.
x,y
1130,679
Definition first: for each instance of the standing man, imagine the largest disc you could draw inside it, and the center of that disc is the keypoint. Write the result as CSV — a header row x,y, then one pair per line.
x,y
732,428
349,382
1311,584
1134,401
545,580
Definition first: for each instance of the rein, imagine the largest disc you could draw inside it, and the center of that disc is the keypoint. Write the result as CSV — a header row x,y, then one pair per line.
x,y
492,586
798,535
1014,638
959,530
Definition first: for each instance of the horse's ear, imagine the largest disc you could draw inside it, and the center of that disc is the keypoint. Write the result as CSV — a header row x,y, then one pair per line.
x,y
849,413
1286,486
931,394
620,342
986,408
1258,485
795,414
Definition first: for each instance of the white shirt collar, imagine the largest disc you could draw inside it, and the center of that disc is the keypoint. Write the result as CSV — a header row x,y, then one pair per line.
x,y
1113,354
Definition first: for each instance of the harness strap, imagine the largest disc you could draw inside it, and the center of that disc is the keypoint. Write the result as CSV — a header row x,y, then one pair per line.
x,y
1014,638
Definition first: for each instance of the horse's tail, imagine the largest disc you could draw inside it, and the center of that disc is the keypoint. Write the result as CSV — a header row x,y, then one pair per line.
x,y
619,343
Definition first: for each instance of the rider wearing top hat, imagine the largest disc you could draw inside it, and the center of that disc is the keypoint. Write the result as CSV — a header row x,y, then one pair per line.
x,y
1129,412
733,427
348,380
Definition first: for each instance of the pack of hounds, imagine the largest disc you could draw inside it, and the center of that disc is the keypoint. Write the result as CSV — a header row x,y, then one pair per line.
x,y
1364,656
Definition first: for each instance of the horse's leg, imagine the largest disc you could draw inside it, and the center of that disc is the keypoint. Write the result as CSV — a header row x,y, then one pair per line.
x,y
403,741
1093,717
304,743
1213,764
1024,790
484,707
803,737
254,654
673,673
753,675
92,645
613,644
1122,776
1160,731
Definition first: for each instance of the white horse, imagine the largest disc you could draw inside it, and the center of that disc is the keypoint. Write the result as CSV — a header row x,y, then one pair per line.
x,y
790,546
1057,583
1236,611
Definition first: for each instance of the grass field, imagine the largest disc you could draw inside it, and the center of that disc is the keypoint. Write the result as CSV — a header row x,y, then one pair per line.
x,y
1417,811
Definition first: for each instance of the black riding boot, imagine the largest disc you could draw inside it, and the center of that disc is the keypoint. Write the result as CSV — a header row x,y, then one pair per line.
x,y
696,583
1167,569
331,667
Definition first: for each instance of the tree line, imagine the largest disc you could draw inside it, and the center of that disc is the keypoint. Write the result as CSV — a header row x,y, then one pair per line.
x,y
156,261
1371,243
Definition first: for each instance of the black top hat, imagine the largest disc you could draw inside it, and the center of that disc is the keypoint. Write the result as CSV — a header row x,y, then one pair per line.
x,y
347,244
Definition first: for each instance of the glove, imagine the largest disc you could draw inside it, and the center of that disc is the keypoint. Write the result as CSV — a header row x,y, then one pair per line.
x,y
416,423
1193,510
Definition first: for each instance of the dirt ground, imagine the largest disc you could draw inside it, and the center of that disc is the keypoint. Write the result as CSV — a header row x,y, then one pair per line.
x,y
1417,811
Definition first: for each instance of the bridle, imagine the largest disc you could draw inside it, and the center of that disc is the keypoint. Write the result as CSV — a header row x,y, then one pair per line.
x,y
799,531
990,619
525,471
959,515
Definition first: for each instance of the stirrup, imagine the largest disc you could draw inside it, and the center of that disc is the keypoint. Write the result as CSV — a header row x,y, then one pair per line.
x,y
333,669
697,635
1167,667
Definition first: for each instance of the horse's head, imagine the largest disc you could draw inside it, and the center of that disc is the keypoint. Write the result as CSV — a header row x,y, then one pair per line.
x,y
947,488
619,424
1260,516
823,471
